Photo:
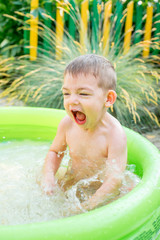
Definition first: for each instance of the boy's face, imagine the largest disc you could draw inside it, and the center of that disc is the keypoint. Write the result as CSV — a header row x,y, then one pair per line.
x,y
84,100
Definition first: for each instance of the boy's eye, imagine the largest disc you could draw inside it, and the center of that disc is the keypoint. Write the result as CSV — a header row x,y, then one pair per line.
x,y
65,94
84,94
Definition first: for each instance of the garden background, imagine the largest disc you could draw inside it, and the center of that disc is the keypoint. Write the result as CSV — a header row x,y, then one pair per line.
x,y
38,39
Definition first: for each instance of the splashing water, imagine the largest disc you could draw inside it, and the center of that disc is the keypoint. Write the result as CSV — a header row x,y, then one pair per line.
x,y
21,199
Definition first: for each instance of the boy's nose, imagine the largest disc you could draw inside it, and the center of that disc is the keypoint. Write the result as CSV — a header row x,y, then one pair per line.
x,y
73,100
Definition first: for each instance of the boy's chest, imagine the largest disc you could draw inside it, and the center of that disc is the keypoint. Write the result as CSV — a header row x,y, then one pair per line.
x,y
90,147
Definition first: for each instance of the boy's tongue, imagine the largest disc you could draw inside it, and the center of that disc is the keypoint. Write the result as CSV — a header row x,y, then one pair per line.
x,y
80,116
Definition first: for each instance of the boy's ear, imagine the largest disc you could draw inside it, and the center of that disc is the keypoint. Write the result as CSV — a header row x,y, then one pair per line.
x,y
111,98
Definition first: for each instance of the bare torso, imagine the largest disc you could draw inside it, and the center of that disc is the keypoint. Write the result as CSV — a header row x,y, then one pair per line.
x,y
88,151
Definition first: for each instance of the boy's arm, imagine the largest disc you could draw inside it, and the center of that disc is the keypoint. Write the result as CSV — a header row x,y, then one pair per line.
x,y
115,166
54,157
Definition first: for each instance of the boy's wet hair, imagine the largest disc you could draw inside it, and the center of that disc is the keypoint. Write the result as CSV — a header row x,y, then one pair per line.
x,y
99,66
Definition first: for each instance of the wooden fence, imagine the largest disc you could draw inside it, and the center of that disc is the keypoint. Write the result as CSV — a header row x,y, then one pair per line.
x,y
137,20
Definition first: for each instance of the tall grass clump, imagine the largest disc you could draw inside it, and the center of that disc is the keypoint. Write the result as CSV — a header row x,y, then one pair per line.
x,y
38,83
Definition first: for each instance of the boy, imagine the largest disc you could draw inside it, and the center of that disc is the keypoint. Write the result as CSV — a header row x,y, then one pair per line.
x,y
96,140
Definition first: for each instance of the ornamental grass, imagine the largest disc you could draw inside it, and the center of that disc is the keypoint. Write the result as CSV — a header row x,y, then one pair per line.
x,y
38,83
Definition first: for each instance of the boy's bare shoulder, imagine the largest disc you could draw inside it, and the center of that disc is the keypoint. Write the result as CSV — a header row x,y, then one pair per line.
x,y
62,129
65,123
117,133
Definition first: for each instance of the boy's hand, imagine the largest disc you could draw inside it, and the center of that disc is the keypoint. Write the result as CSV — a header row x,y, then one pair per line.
x,y
48,184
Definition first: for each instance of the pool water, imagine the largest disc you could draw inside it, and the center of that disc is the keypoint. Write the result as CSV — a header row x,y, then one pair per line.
x,y
21,198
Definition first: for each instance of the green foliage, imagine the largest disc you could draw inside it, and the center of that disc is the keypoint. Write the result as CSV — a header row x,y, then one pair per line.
x,y
125,2
39,83
9,34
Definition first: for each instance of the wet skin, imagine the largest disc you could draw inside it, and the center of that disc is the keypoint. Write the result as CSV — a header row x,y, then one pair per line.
x,y
96,140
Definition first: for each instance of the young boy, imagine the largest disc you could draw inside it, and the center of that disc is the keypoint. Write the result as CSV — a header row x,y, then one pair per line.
x,y
96,140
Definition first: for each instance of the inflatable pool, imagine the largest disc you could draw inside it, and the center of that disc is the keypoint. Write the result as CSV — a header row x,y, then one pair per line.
x,y
134,216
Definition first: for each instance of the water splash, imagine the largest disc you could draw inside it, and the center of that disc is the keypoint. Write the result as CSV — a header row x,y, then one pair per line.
x,y
21,199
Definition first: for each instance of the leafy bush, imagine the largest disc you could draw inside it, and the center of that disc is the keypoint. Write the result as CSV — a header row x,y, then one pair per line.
x,y
39,83
8,28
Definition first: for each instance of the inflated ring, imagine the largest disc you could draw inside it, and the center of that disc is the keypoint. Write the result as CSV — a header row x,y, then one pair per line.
x,y
134,216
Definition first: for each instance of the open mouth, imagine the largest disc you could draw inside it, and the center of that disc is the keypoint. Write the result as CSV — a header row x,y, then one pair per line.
x,y
79,117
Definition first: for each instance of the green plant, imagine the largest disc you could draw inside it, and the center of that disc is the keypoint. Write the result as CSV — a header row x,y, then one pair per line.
x,y
39,83
8,28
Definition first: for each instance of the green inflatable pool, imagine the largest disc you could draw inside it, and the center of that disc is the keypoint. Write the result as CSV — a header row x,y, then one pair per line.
x,y
134,216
